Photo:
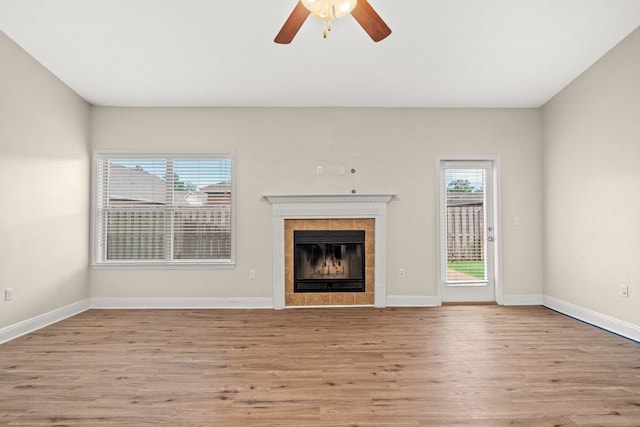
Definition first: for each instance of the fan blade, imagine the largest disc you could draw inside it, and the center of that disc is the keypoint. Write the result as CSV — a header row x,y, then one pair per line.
x,y
370,21
292,24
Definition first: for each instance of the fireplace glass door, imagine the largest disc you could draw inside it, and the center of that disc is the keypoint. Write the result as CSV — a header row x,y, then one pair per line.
x,y
329,261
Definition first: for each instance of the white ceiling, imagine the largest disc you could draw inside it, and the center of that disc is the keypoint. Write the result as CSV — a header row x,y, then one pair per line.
x,y
442,53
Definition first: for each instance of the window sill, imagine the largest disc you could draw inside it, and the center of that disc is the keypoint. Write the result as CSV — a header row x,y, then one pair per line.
x,y
164,266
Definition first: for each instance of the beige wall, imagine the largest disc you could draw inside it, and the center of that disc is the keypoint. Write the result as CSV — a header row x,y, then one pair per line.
x,y
591,133
393,150
44,189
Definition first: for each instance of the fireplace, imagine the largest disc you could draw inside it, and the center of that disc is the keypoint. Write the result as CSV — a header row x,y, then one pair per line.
x,y
329,261
329,212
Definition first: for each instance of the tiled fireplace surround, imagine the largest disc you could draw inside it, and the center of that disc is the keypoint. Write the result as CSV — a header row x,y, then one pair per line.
x,y
292,299
328,212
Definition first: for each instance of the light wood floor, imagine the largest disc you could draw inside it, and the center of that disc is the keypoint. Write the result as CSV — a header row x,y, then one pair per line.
x,y
453,365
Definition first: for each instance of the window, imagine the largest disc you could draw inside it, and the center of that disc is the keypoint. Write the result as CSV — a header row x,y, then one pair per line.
x,y
158,209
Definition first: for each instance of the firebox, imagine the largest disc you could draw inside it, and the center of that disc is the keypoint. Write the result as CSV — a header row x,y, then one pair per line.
x,y
329,261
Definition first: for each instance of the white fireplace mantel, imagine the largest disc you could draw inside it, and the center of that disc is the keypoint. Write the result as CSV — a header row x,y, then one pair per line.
x,y
329,207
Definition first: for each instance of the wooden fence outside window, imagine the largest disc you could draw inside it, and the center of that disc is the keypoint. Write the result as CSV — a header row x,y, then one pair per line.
x,y
198,234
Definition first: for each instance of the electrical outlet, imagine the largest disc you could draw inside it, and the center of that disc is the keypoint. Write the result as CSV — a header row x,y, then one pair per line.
x,y
624,291
252,274
319,170
8,294
342,170
401,273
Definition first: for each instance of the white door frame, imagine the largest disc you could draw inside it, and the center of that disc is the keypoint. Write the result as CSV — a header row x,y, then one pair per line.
x,y
497,235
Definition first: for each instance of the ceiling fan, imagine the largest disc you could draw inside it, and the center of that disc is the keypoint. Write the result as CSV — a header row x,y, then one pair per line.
x,y
328,10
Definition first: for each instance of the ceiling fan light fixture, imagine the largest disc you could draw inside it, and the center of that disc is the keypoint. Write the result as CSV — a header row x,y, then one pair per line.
x,y
345,7
329,9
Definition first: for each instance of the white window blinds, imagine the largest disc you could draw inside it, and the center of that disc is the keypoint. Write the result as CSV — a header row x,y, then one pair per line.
x,y
465,224
163,209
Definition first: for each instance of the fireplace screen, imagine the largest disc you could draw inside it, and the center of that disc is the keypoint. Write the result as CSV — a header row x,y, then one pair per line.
x,y
329,261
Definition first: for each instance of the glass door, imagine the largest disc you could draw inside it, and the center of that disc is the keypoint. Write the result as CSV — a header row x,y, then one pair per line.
x,y
466,231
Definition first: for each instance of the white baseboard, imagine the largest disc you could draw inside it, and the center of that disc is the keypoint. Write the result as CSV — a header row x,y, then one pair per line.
x,y
434,301
412,301
525,299
603,321
184,303
30,325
